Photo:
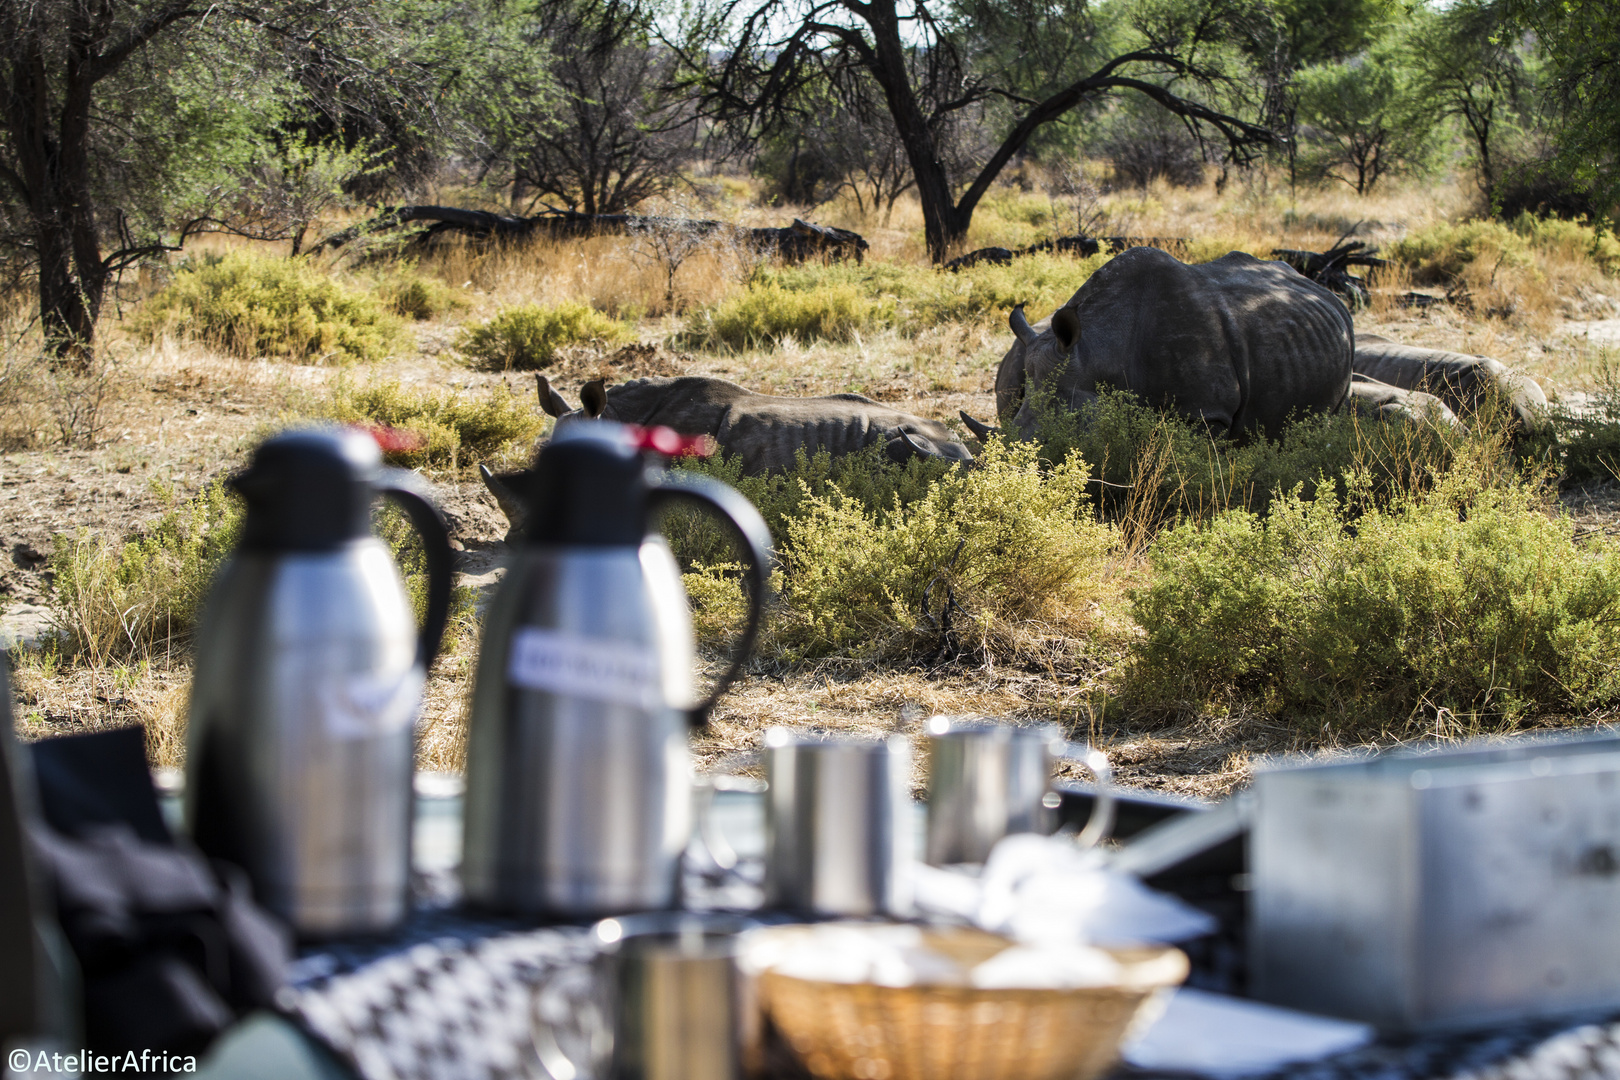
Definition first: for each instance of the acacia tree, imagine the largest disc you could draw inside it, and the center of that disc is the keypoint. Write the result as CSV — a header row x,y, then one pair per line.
x,y
594,125
1366,118
122,120
1580,40
1472,69
1003,68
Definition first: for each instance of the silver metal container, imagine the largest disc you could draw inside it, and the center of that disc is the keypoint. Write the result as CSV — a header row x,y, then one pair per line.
x,y
663,1000
988,780
579,781
580,803
306,686
838,824
1440,890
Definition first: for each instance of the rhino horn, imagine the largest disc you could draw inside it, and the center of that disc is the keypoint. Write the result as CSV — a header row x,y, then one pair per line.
x,y
1020,325
980,429
551,402
505,498
593,398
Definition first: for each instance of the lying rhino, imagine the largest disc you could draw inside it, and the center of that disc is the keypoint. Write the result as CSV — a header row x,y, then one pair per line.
x,y
1464,383
765,431
1237,343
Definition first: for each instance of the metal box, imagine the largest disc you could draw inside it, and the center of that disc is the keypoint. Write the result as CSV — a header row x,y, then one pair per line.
x,y
1421,891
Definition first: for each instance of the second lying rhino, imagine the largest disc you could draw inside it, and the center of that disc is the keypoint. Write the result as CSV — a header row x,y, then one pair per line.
x,y
767,432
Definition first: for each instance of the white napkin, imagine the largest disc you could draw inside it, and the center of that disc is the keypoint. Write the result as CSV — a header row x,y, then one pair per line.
x,y
1226,1037
1045,890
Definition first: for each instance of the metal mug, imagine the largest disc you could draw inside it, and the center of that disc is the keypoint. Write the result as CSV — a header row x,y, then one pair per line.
x,y
988,780
663,999
838,824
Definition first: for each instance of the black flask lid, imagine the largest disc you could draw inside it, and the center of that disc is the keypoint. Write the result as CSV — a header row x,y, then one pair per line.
x,y
309,489
588,487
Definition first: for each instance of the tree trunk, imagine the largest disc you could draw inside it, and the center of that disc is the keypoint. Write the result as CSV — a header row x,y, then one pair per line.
x,y
943,226
54,167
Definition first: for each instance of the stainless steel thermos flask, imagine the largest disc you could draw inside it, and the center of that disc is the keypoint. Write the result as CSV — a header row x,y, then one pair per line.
x,y
308,679
579,789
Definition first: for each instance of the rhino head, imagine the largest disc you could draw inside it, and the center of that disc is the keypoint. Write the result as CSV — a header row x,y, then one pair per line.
x,y
1037,353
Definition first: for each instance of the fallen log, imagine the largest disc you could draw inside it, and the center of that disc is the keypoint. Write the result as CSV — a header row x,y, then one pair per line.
x,y
794,243
1080,246
1327,268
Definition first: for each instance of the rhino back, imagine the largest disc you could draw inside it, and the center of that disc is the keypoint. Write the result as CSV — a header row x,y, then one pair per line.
x,y
770,438
691,404
1239,342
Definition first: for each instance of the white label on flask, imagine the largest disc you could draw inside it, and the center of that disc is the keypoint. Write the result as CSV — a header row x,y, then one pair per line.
x,y
360,706
625,673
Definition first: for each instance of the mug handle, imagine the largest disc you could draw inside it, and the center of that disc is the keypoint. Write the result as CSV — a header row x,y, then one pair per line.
x,y
586,1014
732,507
1102,804
709,837
401,486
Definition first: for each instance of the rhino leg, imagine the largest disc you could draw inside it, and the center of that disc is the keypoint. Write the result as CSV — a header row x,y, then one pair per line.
x,y
506,499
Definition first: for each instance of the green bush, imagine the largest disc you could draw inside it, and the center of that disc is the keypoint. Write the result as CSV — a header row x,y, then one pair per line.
x,y
251,305
836,302
1590,443
527,337
419,297
122,600
867,477
1153,466
1471,598
1438,254
455,429
1012,550
766,314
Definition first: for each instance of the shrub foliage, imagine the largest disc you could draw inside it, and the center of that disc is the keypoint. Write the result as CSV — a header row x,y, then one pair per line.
x,y
123,600
1469,598
529,336
453,429
884,560
252,306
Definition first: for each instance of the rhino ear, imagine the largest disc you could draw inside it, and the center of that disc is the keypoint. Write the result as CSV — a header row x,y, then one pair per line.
x,y
505,498
1066,325
593,398
551,402
906,443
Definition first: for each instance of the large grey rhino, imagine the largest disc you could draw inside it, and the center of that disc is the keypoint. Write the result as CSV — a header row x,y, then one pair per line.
x,y
766,431
1237,343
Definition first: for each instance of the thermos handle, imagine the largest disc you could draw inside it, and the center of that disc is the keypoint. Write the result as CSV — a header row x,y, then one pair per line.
x,y
1101,820
403,488
734,508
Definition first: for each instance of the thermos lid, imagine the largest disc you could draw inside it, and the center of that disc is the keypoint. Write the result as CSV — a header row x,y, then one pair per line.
x,y
309,489
588,486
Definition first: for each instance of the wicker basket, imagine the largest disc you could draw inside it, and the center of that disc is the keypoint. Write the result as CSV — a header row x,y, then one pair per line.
x,y
859,1031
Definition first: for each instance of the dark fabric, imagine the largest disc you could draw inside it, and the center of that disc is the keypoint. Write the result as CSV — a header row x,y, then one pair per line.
x,y
171,947
98,779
